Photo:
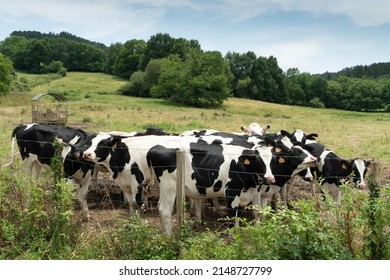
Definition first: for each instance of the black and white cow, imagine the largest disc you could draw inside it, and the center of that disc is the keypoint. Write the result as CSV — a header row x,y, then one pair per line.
x,y
255,129
35,143
335,171
213,170
289,162
331,169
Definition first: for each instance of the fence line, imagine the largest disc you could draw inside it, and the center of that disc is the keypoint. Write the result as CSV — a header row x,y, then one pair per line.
x,y
379,162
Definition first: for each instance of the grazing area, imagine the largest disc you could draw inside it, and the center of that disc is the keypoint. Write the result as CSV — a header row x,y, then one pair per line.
x,y
42,219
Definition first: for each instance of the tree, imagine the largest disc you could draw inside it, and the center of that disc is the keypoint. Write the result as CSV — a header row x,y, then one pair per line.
x,y
112,53
14,48
129,58
6,69
36,55
208,83
136,86
201,80
162,45
158,46
241,66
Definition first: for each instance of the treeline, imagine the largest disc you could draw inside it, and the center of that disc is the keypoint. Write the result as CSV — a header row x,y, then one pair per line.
x,y
178,69
36,53
375,70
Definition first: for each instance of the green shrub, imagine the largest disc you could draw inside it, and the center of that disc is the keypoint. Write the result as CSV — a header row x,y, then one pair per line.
x,y
137,240
37,217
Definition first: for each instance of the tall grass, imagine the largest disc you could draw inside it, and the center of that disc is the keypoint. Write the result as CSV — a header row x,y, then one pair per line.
x,y
38,220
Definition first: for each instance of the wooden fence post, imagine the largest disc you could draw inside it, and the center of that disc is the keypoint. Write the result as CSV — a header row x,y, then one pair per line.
x,y
180,175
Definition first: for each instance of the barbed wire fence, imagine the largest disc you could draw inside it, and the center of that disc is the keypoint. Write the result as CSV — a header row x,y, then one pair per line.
x,y
379,170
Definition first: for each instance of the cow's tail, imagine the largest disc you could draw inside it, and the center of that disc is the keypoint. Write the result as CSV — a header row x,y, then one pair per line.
x,y
11,163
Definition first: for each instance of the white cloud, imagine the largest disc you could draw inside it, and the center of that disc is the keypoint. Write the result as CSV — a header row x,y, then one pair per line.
x,y
291,54
362,12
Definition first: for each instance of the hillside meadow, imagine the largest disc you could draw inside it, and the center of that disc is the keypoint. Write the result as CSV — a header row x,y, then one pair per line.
x,y
39,220
94,106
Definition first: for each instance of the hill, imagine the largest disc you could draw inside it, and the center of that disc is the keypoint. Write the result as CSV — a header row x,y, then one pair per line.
x,y
40,219
95,106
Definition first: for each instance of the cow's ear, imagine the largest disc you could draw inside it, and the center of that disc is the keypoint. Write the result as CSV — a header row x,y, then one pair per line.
x,y
269,142
367,162
312,136
76,155
277,149
285,133
245,160
344,164
115,141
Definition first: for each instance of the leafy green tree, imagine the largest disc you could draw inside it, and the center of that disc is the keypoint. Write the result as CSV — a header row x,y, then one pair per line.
x,y
333,95
241,66
136,86
158,46
243,86
201,80
208,82
364,95
6,68
54,67
112,53
171,78
14,47
152,73
36,55
128,58
162,45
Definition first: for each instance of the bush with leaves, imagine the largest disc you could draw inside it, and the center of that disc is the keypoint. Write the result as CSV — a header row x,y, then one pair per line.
x,y
6,69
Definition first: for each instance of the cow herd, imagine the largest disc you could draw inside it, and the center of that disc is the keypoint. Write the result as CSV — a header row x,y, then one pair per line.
x,y
244,168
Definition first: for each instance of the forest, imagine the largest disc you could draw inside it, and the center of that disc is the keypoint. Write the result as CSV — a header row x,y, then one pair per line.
x,y
177,69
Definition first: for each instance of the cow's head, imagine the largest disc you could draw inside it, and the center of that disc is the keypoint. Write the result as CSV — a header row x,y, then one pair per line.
x,y
359,169
264,161
295,159
255,128
298,137
73,160
101,147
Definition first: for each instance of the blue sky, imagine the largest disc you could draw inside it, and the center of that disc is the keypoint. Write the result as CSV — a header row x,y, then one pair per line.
x,y
312,35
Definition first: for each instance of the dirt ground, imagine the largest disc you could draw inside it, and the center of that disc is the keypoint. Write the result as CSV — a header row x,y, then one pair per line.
x,y
106,204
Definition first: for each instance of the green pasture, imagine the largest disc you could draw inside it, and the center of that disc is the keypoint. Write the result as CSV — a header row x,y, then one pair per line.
x,y
38,220
94,105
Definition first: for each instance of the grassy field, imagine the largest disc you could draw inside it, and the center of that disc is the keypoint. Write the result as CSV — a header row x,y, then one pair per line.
x,y
95,106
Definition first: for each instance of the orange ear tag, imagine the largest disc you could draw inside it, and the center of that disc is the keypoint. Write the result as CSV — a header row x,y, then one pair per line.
x,y
247,162
343,166
114,146
278,150
282,160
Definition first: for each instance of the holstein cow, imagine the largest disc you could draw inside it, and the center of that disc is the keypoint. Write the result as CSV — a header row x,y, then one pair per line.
x,y
334,171
331,169
35,143
289,162
290,159
255,128
213,170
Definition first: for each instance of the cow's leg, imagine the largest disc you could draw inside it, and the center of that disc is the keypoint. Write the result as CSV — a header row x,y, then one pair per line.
x,y
94,177
284,193
81,196
198,207
165,208
334,191
257,206
36,169
129,196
